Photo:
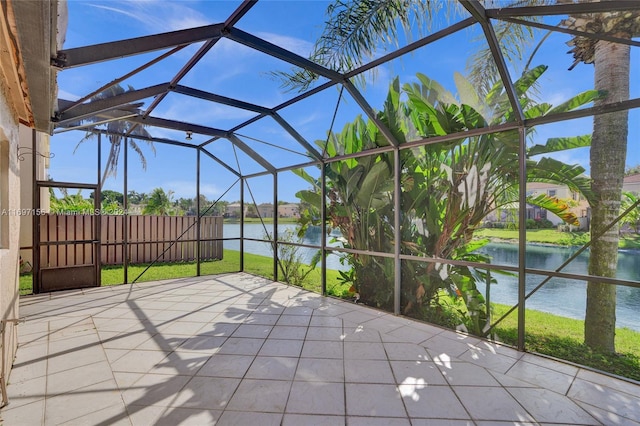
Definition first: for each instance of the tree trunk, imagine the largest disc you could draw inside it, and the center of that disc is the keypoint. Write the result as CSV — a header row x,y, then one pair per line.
x,y
608,157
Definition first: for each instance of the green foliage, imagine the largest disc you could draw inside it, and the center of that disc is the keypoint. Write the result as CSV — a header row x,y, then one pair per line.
x,y
447,191
159,203
631,202
70,203
290,262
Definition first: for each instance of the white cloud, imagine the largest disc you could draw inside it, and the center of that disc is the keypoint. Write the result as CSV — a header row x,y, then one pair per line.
x,y
296,45
157,16
205,113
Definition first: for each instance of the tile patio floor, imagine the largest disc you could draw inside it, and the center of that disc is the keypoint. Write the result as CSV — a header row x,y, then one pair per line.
x,y
241,350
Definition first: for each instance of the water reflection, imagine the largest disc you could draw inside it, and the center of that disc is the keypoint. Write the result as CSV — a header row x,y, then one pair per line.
x,y
562,296
558,296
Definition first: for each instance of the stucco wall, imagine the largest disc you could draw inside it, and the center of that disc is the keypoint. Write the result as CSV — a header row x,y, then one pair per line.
x,y
9,284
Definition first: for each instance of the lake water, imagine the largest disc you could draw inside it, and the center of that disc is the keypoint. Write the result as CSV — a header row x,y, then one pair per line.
x,y
558,296
561,296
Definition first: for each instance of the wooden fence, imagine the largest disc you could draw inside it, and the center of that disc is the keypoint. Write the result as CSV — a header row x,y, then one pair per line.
x,y
66,239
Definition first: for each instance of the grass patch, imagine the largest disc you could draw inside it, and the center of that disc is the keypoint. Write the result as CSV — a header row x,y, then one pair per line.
x,y
26,284
630,241
563,338
254,264
551,236
541,236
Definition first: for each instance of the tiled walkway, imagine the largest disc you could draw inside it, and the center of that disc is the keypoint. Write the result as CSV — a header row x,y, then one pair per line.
x,y
240,350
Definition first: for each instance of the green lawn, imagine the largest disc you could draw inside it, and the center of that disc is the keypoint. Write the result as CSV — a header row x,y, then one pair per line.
x,y
548,334
551,236
562,338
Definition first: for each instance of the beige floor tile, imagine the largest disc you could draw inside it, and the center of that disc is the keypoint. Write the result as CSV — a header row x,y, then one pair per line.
x,y
281,347
26,392
541,376
186,328
288,332
374,400
241,346
268,396
467,374
610,382
77,378
443,344
81,402
320,349
485,358
362,333
180,362
433,402
114,415
211,393
320,370
364,350
605,417
155,390
137,361
410,334
377,421
315,420
26,370
570,370
316,398
240,418
447,422
31,414
174,416
252,331
620,403
201,343
70,359
491,404
405,352
425,372
166,350
222,365
367,371
325,321
549,407
272,367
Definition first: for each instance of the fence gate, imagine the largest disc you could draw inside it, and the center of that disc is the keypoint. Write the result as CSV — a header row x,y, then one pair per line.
x,y
66,246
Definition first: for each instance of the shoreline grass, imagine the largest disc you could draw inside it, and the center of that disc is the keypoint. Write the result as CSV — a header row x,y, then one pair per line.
x,y
553,237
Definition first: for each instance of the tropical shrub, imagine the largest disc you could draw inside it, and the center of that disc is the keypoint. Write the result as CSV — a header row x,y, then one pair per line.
x,y
447,190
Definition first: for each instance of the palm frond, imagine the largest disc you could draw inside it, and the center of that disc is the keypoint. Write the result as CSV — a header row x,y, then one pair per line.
x,y
354,30
513,40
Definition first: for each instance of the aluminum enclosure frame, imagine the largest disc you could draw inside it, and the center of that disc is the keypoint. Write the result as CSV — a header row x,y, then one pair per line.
x,y
70,113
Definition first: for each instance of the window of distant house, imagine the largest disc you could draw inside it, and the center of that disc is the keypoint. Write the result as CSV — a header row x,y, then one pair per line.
x,y
551,193
4,193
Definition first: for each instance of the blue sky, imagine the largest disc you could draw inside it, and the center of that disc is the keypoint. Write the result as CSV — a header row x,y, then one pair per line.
x,y
236,71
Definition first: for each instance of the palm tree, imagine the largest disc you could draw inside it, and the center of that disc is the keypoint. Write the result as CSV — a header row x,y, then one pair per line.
x,y
116,130
159,203
608,158
355,29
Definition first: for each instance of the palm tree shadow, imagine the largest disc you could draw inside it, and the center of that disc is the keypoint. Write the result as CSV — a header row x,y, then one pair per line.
x,y
170,383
